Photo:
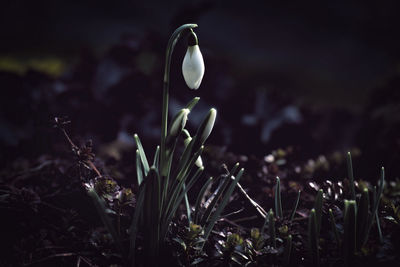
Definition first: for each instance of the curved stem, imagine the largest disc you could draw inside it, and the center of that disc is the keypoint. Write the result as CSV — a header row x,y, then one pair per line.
x,y
164,122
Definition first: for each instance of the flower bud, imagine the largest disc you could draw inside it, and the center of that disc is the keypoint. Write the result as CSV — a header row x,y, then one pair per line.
x,y
199,161
193,63
205,129
178,123
207,126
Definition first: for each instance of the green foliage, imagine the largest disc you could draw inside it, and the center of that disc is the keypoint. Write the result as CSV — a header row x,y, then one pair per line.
x,y
349,238
313,237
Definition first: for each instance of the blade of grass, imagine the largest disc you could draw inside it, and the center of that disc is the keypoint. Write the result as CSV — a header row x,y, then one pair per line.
x,y
151,214
296,203
143,158
362,218
156,160
102,211
351,176
313,238
318,209
264,225
187,205
334,228
221,206
349,240
135,222
288,251
378,226
216,196
376,199
278,200
271,228
199,199
167,217
139,169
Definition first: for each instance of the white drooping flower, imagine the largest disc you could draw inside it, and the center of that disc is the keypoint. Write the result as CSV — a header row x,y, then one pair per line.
x,y
193,63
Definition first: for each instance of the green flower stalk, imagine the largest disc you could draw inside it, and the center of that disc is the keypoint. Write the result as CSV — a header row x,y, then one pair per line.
x,y
164,121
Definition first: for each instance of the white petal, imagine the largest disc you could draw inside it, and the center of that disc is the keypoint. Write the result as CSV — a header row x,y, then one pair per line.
x,y
193,67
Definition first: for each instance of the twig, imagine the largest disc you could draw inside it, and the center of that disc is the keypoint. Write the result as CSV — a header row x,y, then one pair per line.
x,y
260,210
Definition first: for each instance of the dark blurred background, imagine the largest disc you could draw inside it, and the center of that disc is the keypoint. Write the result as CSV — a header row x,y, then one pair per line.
x,y
317,76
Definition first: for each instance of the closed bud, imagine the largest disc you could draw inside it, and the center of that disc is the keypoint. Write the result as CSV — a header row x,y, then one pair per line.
x,y
199,161
193,63
178,123
207,126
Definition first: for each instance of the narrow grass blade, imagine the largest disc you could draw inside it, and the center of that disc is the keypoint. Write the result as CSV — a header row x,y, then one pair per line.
x,y
222,205
102,211
143,158
278,200
318,209
313,237
271,228
377,194
199,199
169,213
349,240
296,203
265,224
156,160
217,195
351,176
362,218
288,251
187,205
192,103
234,169
139,169
135,222
177,186
334,228
378,226
151,214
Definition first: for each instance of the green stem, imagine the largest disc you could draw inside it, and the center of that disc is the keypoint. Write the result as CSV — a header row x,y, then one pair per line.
x,y
164,123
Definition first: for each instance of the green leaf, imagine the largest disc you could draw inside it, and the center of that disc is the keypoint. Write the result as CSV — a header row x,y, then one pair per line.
x,y
102,211
192,103
296,203
351,176
313,237
349,240
271,228
199,199
169,213
377,197
318,209
334,228
278,201
156,160
151,213
143,158
217,195
135,222
362,218
139,169
288,251
222,205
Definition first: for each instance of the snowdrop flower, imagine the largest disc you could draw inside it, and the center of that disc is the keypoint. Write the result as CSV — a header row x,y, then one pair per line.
x,y
193,63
